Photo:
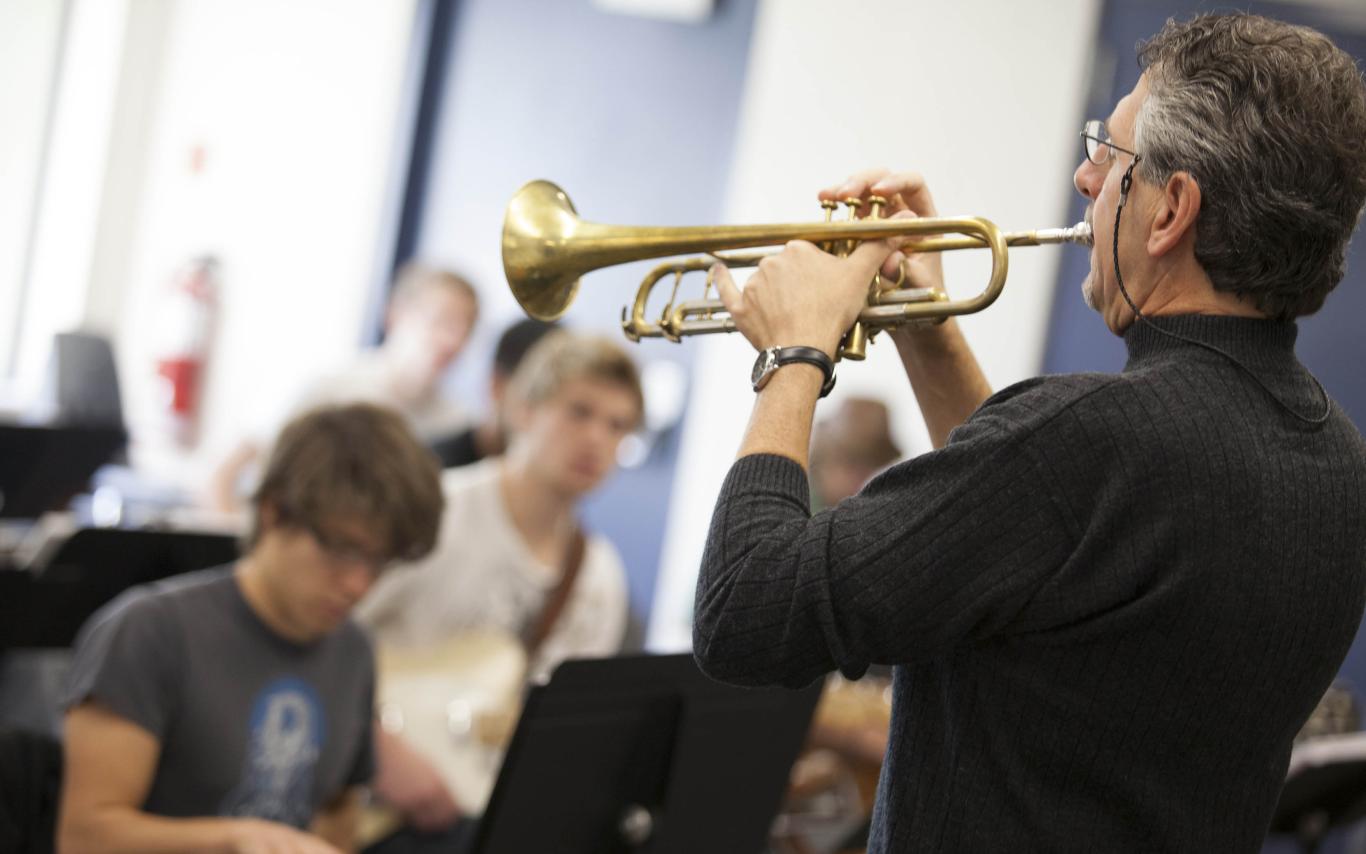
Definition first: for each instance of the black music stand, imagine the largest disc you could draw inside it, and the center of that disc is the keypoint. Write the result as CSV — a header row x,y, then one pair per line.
x,y
1325,789
42,468
645,754
46,608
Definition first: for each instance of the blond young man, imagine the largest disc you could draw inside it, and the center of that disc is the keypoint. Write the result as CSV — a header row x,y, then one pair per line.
x,y
509,526
231,709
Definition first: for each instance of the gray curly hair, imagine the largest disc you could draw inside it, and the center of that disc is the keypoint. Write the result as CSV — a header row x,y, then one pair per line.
x,y
1270,120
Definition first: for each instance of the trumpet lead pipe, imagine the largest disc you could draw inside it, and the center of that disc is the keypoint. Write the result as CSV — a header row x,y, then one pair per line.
x,y
1079,234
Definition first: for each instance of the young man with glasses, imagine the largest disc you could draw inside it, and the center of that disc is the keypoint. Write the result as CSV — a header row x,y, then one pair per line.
x,y
1111,600
231,709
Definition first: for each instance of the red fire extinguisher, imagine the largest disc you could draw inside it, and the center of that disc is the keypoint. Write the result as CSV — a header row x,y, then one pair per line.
x,y
184,335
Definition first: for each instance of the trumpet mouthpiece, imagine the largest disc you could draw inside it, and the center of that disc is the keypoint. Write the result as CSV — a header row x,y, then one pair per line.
x,y
1079,234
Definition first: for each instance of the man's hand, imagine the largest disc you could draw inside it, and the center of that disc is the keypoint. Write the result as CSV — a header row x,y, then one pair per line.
x,y
802,296
948,382
253,836
808,297
907,196
408,782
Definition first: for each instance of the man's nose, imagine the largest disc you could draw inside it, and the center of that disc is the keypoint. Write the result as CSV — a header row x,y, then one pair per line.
x,y
356,581
1087,179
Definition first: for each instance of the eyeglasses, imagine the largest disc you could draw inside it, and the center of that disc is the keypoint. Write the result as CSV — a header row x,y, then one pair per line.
x,y
341,551
1100,149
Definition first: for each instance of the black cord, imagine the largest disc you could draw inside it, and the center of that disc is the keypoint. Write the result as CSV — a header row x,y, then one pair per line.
x,y
1124,184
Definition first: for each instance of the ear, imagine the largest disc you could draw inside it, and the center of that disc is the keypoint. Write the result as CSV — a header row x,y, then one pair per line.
x,y
267,517
1174,220
498,386
518,414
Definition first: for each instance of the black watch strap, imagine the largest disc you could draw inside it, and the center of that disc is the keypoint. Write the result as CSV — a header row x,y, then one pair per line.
x,y
810,355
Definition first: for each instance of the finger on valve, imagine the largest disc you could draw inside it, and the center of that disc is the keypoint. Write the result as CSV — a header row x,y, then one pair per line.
x,y
906,191
857,185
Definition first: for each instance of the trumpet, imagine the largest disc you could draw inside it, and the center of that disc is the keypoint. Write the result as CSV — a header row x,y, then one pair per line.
x,y
547,248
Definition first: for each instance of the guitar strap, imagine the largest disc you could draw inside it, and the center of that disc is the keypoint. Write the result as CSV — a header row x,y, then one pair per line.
x,y
539,629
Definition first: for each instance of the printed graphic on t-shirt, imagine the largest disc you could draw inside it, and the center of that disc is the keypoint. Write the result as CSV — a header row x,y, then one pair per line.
x,y
285,737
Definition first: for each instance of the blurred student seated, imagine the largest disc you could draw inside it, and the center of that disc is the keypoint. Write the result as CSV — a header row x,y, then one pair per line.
x,y
834,781
231,709
848,447
512,561
430,316
489,437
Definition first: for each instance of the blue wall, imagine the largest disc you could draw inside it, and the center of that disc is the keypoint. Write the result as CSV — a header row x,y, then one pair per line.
x,y
636,120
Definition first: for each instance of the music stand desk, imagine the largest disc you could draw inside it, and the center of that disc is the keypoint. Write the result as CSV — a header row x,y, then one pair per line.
x,y
41,468
45,608
1325,787
645,753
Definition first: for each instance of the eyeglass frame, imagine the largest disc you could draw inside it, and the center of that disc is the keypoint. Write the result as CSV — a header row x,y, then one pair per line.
x,y
1105,140
339,550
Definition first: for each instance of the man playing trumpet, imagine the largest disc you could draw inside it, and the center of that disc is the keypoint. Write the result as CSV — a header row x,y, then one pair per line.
x,y
1110,600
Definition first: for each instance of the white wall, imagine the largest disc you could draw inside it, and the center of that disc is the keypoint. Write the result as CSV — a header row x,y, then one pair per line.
x,y
30,41
294,108
983,98
66,215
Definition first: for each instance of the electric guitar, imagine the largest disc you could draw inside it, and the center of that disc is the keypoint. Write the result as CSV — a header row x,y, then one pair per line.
x,y
457,704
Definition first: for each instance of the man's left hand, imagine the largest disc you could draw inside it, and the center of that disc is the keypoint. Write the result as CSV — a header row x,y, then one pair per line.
x,y
802,296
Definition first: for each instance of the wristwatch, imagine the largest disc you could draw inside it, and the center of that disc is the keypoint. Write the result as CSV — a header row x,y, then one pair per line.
x,y
770,360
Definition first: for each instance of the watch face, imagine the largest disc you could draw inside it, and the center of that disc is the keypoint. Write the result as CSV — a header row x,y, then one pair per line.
x,y
763,366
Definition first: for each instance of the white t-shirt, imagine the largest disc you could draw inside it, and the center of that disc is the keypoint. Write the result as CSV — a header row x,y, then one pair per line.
x,y
370,380
367,380
482,575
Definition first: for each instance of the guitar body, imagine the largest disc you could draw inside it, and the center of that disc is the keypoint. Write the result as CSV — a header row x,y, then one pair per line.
x,y
457,704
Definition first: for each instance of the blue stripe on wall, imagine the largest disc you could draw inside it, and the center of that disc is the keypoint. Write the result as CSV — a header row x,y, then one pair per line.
x,y
636,119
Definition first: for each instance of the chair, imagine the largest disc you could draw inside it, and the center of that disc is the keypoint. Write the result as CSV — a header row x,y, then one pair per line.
x,y
83,384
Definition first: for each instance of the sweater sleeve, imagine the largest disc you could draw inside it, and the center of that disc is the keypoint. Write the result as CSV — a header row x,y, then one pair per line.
x,y
939,550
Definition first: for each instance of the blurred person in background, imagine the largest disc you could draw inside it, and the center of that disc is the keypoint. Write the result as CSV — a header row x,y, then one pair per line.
x,y
848,447
489,437
513,559
428,322
231,709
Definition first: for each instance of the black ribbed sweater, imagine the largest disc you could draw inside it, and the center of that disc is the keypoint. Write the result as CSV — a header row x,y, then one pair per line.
x,y
1111,599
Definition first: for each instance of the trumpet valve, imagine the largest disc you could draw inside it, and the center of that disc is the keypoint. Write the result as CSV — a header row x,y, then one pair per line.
x,y
935,295
843,248
875,205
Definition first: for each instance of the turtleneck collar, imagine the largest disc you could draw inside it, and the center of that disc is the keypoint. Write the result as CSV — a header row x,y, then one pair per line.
x,y
1255,342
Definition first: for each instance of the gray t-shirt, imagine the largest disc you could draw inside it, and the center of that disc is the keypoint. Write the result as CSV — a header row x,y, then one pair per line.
x,y
250,724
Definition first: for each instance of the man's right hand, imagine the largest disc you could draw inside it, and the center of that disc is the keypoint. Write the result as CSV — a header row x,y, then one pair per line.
x,y
410,784
254,836
907,195
948,382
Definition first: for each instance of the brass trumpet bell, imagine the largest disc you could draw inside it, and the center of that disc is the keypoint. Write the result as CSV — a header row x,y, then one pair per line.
x,y
537,230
